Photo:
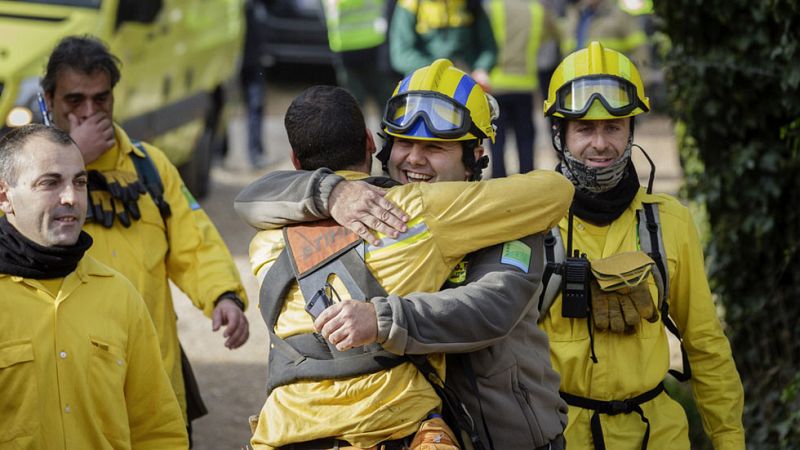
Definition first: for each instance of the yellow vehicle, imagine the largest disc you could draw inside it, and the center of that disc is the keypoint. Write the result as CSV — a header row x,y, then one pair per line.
x,y
178,58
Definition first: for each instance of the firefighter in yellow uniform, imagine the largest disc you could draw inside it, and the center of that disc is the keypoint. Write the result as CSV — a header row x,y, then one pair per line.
x,y
603,21
79,361
520,27
446,221
609,343
144,221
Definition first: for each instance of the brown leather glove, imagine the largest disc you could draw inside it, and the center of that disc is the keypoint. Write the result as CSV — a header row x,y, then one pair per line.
x,y
622,309
434,434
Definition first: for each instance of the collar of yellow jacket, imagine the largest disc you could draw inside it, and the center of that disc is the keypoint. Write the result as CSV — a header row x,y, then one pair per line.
x,y
87,267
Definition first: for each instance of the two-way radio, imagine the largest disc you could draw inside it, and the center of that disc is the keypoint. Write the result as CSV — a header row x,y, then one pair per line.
x,y
577,276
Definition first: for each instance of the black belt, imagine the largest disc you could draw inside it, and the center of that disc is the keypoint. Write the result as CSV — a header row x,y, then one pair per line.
x,y
331,443
612,408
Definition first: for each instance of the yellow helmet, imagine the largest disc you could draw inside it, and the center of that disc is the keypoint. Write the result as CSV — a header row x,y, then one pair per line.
x,y
596,83
440,103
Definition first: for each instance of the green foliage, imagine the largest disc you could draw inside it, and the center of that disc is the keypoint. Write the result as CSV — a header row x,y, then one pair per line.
x,y
734,82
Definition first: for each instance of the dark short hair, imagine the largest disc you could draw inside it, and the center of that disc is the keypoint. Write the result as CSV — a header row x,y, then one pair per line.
x,y
13,142
85,54
326,128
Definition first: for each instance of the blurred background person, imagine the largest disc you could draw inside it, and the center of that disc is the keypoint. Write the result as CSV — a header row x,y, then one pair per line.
x,y
604,21
550,50
425,30
253,80
357,35
520,27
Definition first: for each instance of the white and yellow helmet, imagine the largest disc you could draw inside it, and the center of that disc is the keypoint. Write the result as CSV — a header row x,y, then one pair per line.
x,y
596,83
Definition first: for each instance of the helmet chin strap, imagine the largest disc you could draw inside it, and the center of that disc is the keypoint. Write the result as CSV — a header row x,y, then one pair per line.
x,y
652,176
477,168
385,151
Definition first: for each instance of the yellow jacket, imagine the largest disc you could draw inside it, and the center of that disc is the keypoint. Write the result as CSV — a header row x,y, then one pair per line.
x,y
448,220
629,365
80,369
187,249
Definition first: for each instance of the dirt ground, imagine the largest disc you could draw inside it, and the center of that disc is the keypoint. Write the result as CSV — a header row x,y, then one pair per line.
x,y
233,382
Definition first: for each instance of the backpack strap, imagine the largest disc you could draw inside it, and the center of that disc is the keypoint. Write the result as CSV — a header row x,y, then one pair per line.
x,y
651,241
150,178
454,412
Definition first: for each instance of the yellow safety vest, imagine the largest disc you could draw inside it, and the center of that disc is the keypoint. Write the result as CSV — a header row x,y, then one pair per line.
x,y
355,24
516,65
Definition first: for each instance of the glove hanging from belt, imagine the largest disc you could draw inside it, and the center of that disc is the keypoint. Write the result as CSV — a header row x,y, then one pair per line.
x,y
114,194
620,294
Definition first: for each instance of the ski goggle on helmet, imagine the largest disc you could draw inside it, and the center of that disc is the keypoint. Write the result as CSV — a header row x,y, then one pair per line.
x,y
596,83
440,103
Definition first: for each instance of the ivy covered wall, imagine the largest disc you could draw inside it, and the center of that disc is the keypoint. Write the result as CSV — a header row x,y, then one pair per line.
x,y
733,74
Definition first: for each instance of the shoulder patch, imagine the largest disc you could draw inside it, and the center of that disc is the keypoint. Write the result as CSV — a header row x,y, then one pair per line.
x,y
517,254
190,199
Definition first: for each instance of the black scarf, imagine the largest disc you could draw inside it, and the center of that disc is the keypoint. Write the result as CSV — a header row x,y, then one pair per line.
x,y
603,208
22,257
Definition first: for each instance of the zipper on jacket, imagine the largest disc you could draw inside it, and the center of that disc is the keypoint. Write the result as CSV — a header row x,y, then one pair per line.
x,y
535,426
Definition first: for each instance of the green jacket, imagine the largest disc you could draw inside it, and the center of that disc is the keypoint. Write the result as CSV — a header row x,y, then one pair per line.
x,y
425,30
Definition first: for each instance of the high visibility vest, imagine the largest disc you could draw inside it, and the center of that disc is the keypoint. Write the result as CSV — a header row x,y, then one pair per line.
x,y
518,28
355,24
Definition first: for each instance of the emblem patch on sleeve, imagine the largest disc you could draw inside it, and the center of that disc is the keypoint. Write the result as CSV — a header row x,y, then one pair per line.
x,y
190,199
517,254
459,273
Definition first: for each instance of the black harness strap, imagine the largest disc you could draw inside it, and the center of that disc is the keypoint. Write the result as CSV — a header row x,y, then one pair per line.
x,y
455,413
148,174
612,408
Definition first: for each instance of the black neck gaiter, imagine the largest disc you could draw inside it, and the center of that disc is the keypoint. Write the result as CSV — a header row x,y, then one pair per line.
x,y
603,208
22,257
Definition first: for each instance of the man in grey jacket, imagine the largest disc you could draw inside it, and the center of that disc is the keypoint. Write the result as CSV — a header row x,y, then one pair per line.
x,y
498,358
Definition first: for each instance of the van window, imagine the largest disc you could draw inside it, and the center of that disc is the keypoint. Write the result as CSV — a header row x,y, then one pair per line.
x,y
79,3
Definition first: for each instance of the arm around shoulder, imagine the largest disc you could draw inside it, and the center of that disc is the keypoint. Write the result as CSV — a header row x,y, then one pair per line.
x,y
284,197
468,216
